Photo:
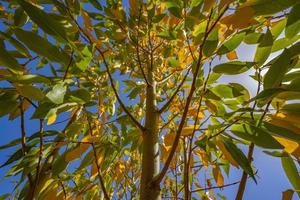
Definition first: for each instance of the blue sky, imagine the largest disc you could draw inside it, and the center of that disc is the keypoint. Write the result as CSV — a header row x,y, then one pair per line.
x,y
271,178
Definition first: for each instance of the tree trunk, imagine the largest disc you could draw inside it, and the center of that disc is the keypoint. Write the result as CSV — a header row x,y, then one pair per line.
x,y
150,160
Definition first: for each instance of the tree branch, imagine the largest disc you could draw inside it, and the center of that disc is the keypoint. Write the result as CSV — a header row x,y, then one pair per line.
x,y
163,172
37,176
68,66
215,187
23,138
168,103
141,127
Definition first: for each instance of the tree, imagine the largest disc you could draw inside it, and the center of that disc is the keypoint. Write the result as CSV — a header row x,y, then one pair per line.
x,y
127,98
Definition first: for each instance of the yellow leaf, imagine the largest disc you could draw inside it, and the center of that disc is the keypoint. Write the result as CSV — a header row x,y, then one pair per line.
x,y
291,118
231,55
203,156
296,153
289,146
218,176
194,111
188,130
287,195
51,119
76,153
285,124
226,154
169,139
91,138
100,156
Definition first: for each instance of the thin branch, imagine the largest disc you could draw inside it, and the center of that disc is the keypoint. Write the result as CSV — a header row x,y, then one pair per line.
x,y
161,175
168,103
187,172
23,138
68,66
30,60
141,127
164,170
41,130
99,174
106,196
226,127
215,187
63,187
138,51
242,186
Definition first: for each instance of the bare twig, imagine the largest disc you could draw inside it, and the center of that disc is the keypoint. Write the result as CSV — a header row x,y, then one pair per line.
x,y
68,66
41,130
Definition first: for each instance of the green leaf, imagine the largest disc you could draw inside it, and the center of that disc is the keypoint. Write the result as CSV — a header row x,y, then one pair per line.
x,y
96,4
5,196
20,18
239,157
277,70
269,7
227,90
44,20
293,22
264,48
291,172
174,8
11,144
80,96
14,157
86,59
293,108
42,47
18,45
294,85
8,102
232,43
253,38
291,76
30,92
283,43
195,3
277,29
7,60
59,165
268,94
211,43
282,132
256,135
173,62
28,78
234,67
57,94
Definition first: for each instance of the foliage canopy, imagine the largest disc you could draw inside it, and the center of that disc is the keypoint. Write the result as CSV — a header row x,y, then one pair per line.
x,y
128,100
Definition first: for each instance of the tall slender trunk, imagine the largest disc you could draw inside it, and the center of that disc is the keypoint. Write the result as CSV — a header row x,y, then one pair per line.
x,y
150,160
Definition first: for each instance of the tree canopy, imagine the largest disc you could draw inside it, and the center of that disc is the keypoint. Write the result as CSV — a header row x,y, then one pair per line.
x,y
127,98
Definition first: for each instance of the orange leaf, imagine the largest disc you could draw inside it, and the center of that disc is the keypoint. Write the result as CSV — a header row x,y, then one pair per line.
x,y
76,153
287,195
226,154
241,19
218,176
231,55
